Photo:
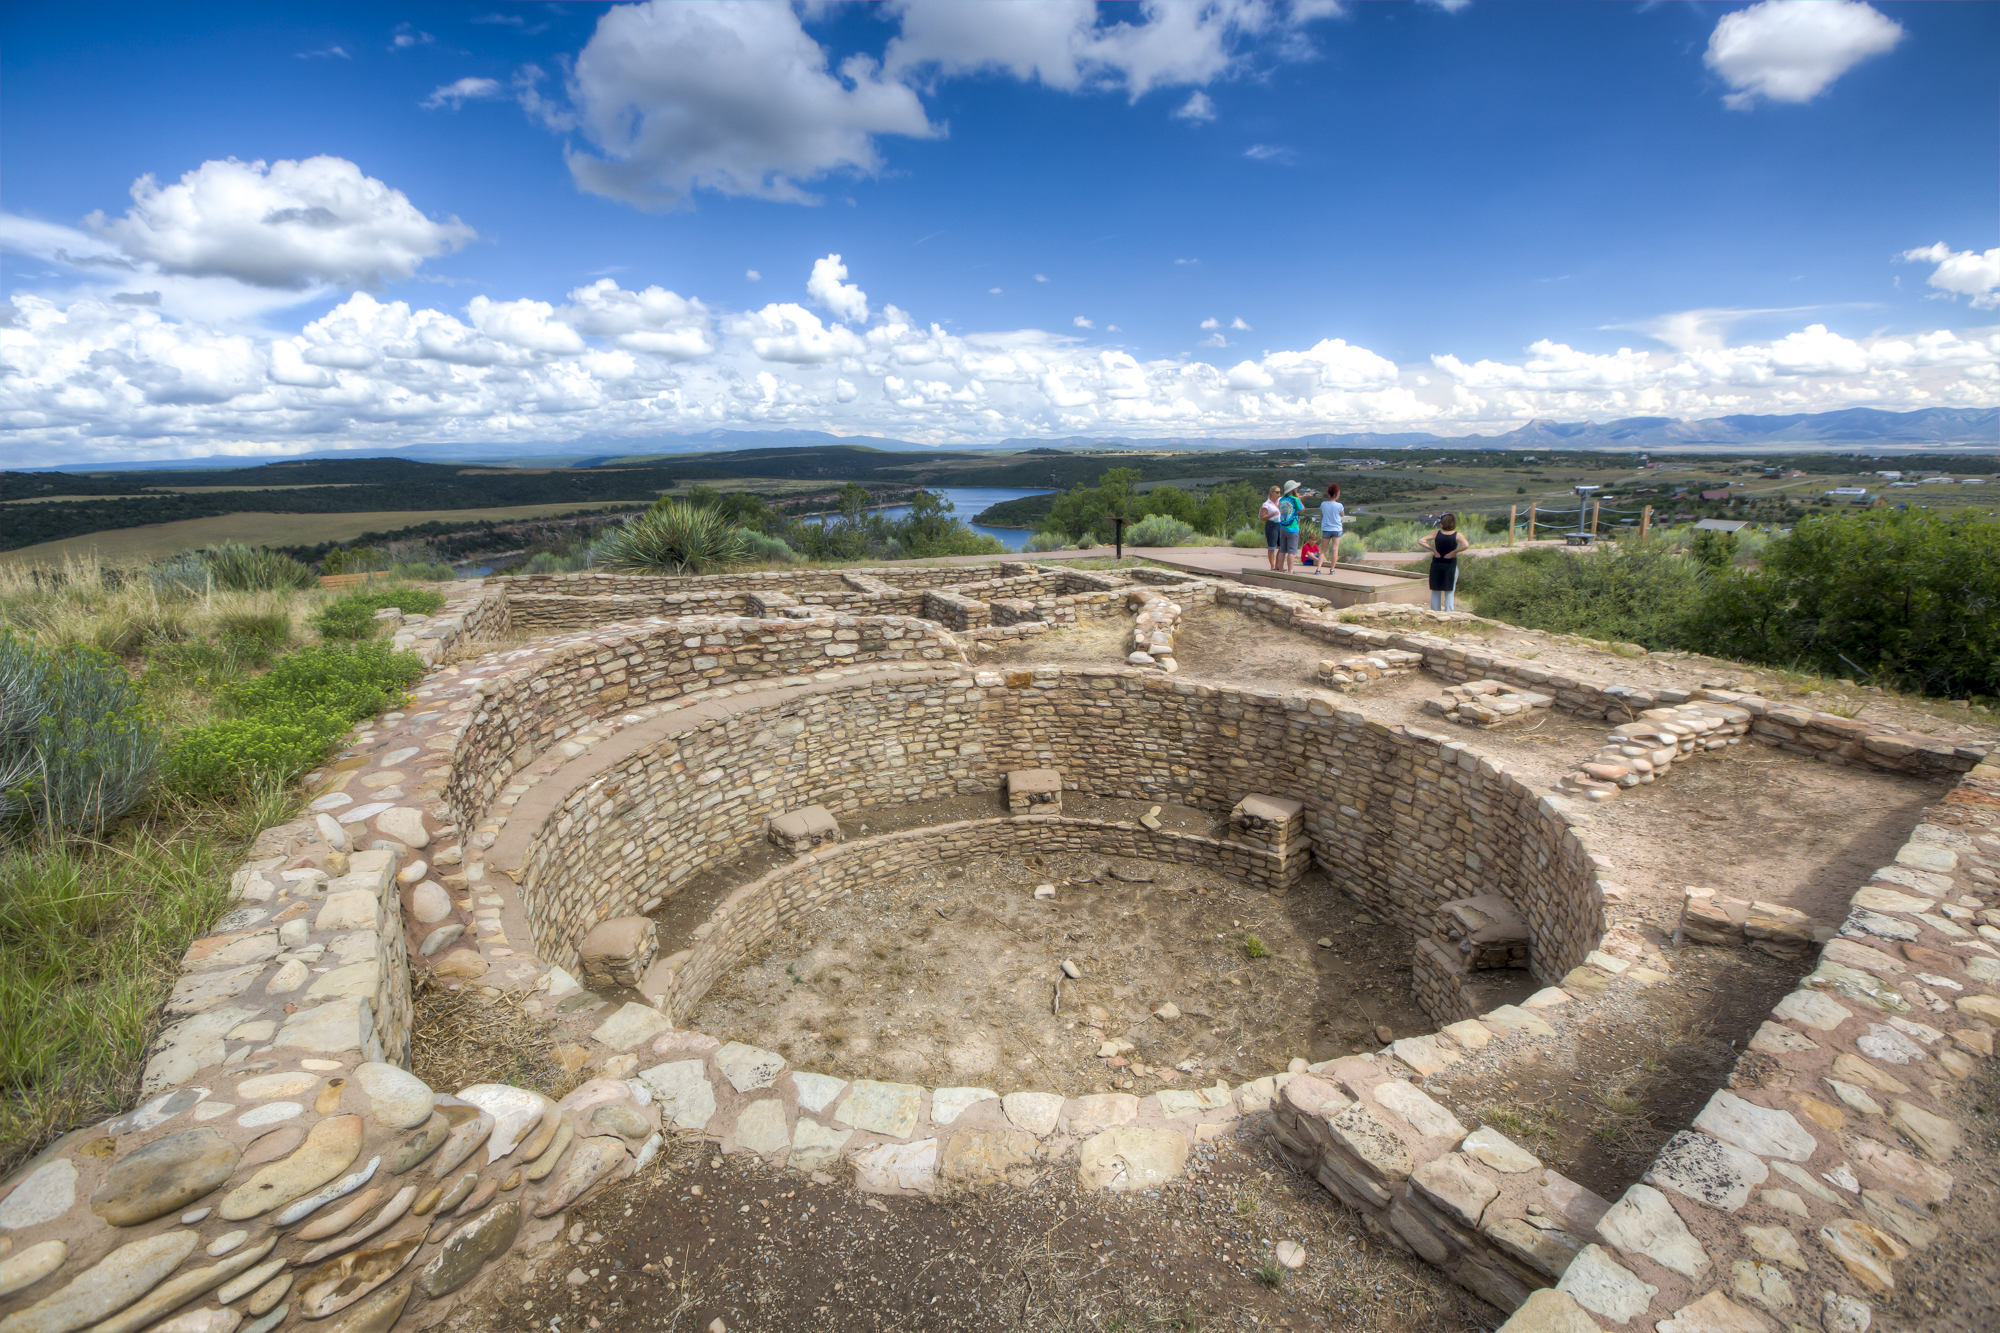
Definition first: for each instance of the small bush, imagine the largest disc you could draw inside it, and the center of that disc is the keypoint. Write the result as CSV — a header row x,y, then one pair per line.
x,y
353,616
1047,541
673,537
1160,530
1632,592
1246,537
427,571
771,550
77,746
1255,948
1397,537
1352,547
348,682
215,760
255,637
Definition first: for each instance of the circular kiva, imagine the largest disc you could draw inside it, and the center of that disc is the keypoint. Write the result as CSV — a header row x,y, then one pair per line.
x,y
520,816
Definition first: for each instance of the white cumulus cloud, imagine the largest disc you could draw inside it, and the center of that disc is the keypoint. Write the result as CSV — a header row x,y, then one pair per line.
x,y
1790,50
845,299
95,377
456,95
292,225
1962,273
731,96
1197,108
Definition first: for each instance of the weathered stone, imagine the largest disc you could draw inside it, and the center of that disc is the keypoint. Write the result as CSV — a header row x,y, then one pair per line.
x,y
630,1025
160,1110
341,1282
1707,1170
1856,985
328,1224
465,964
1194,1101
1456,1186
1643,1222
889,1109
683,1091
515,1111
1131,1158
1853,1069
594,1159
1035,1112
45,1194
439,938
1469,1033
404,825
948,1103
110,1285
469,1131
551,1155
897,1168
164,1176
1423,1054
1812,1009
814,1145
622,1119
397,1099
429,903
1754,1128
288,1084
990,1157
1777,1245
760,1127
18,1271
181,1288
330,1147
1513,1021
270,1113
1547,1252
816,1092
1841,1313
200,1321
1604,1286
340,1189
1495,1149
749,1067
419,1145
1373,1146
246,1282
1884,1043
1936,1137
1715,1313
346,1024
1915,1229
485,1237
1776,1039
1866,1252
1550,1310
377,1314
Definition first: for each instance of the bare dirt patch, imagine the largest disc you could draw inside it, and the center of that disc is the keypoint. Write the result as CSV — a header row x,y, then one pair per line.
x,y
701,1238
951,977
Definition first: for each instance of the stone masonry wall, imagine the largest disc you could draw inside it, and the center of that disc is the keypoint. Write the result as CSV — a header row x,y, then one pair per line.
x,y
1823,736
527,710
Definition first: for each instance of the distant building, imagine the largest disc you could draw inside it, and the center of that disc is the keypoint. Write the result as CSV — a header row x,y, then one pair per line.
x,y
1721,525
1715,495
1892,476
1854,493
1939,481
1971,481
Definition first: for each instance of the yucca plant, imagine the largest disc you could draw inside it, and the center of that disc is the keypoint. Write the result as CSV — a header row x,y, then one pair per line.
x,y
673,537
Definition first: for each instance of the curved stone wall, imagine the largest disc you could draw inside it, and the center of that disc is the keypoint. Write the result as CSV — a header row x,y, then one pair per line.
x,y
525,710
1403,820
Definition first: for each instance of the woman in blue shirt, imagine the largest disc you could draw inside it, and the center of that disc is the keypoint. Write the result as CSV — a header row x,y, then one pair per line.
x,y
1332,522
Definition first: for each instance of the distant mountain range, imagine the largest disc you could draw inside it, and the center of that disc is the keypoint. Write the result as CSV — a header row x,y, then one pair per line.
x,y
1851,430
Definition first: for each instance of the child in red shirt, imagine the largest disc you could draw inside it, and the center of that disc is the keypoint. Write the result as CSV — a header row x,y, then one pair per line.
x,y
1309,554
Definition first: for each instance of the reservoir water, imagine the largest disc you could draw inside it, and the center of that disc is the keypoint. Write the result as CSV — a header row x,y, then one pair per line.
x,y
968,501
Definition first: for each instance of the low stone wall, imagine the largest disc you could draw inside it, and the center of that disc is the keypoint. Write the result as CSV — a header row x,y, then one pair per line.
x,y
1823,736
526,710
752,914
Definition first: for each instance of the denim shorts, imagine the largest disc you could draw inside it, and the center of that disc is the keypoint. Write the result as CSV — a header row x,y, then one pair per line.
x,y
1274,535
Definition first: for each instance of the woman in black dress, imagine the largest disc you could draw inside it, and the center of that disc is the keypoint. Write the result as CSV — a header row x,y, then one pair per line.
x,y
1444,546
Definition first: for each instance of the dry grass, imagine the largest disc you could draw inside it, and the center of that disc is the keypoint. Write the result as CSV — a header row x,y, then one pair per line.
x,y
466,1036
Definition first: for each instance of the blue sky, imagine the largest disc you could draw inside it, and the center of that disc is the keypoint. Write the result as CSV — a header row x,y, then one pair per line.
x,y
269,229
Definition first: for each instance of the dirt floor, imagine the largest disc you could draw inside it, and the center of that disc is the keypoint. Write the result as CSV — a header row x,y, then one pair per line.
x,y
700,1238
955,977
1952,1286
1600,1099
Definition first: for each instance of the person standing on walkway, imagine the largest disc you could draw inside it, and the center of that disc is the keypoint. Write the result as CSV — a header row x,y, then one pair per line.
x,y
1444,546
1274,532
1289,509
1332,523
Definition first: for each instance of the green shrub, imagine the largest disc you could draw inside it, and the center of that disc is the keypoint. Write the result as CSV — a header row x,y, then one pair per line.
x,y
218,759
673,537
256,569
1046,541
289,717
353,616
1632,592
1246,537
1397,537
1352,547
772,550
1160,530
1905,597
256,638
77,745
426,571
350,682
